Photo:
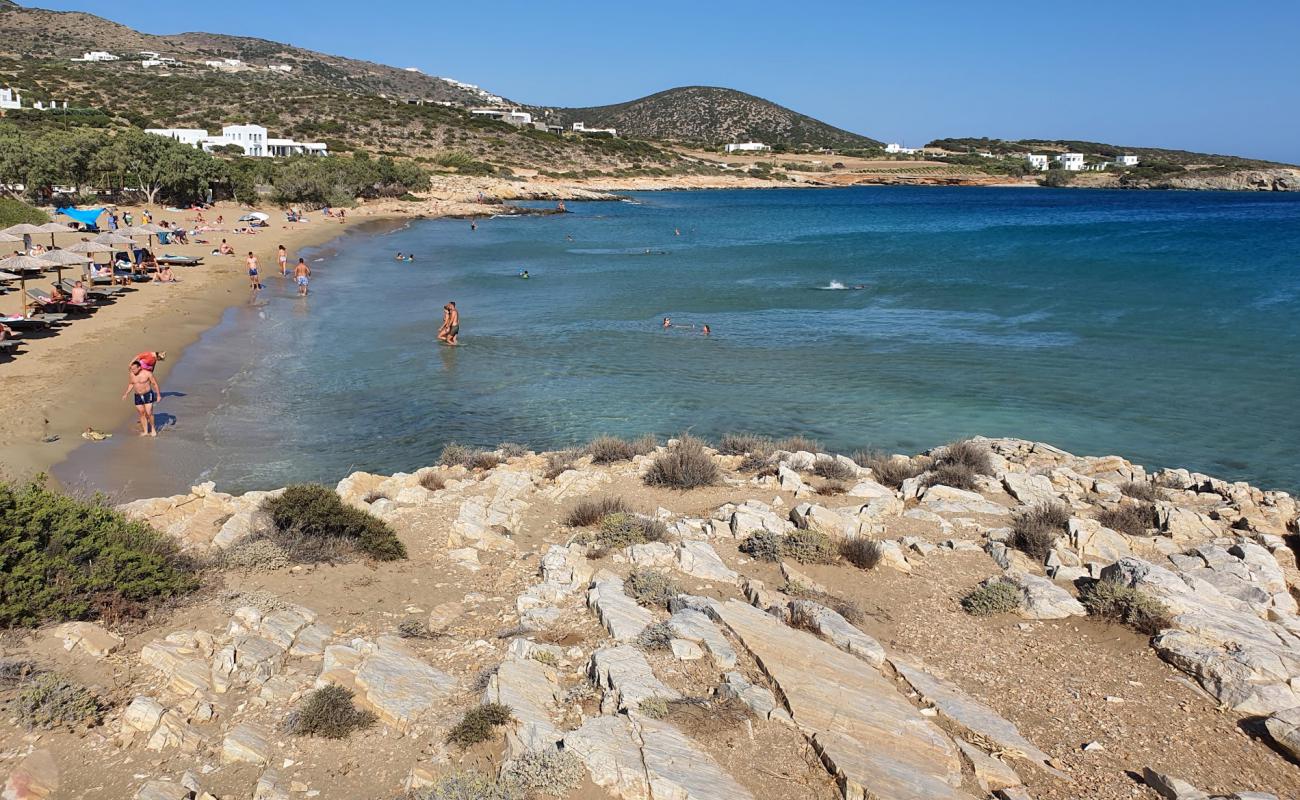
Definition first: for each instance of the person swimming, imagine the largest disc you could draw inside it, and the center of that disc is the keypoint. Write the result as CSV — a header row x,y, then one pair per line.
x,y
523,273
399,256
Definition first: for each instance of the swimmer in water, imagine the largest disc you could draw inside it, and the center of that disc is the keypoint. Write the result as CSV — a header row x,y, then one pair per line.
x,y
705,331
523,273
668,323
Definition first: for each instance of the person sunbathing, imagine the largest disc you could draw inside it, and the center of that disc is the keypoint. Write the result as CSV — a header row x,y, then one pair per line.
x,y
79,292
164,275
226,249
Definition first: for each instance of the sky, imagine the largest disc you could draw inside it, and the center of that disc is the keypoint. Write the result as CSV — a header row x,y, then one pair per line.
x,y
1221,77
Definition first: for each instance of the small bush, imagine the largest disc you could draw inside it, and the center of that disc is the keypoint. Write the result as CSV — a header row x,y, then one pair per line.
x,y
512,449
650,587
958,476
1035,531
861,552
686,465
544,773
610,449
794,444
1134,520
840,605
483,460
755,462
255,553
62,558
994,597
832,489
1121,603
15,672
479,724
544,657
620,530
886,470
433,481
654,707
49,700
740,444
762,546
373,496
328,712
414,629
834,469
454,455
657,636
468,785
311,520
560,461
1140,490
975,457
808,547
589,512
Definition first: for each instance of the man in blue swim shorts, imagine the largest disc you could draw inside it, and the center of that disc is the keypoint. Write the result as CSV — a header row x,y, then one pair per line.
x,y
141,383
302,276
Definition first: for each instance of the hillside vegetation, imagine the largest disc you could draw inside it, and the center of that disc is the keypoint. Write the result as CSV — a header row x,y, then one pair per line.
x,y
1180,158
712,116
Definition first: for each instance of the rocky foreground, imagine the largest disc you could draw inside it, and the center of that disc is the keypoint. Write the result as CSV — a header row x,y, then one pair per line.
x,y
763,686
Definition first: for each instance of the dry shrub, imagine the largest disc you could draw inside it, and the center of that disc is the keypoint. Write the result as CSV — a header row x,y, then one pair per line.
x,y
994,597
740,444
958,476
620,530
794,444
1132,519
610,449
560,461
840,605
657,636
834,469
328,712
589,512
645,445
755,462
762,546
1140,490
975,457
686,465
483,460
832,489
255,553
861,552
433,481
479,724
1035,531
808,547
15,672
49,700
650,587
543,773
1125,604
414,629
886,470
373,496
705,718
454,455
512,449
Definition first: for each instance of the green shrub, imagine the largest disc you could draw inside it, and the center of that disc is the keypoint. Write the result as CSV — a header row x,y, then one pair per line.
x,y
49,700
686,465
994,597
1115,601
328,712
63,558
545,657
650,587
311,521
861,552
16,212
656,636
622,529
1035,531
762,546
1132,519
654,707
886,470
741,444
479,724
468,785
808,547
834,469
1140,490
589,512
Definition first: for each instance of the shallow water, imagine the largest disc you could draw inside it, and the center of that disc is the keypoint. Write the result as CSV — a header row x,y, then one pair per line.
x,y
1161,326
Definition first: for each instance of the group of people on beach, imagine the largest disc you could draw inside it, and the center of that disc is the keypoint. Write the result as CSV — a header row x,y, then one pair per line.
x,y
301,272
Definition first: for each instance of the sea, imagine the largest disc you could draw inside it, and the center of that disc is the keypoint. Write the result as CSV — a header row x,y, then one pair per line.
x,y
1161,326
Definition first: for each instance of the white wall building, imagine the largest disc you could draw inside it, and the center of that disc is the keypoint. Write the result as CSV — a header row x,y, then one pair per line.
x,y
1037,161
579,127
280,68
747,147
510,116
1126,161
252,139
1070,161
97,55
224,63
10,100
895,147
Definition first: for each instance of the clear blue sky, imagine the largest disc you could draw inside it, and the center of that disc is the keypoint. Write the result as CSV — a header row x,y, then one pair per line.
x,y
1191,74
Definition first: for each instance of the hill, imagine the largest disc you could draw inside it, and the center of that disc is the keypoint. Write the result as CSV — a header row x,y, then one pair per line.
x,y
1185,159
713,116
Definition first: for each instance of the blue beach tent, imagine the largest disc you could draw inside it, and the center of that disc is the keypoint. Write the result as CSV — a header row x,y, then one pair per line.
x,y
87,218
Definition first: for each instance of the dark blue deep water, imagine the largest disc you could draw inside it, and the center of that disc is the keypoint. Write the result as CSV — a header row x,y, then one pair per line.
x,y
1161,326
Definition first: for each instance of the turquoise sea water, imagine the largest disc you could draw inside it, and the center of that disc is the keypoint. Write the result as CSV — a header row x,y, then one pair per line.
x,y
1161,326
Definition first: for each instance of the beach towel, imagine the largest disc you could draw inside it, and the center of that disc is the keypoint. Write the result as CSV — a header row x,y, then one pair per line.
x,y
85,217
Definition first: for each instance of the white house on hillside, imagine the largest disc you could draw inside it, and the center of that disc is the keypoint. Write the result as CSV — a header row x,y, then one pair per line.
x,y
746,147
1126,161
1037,161
10,100
252,139
579,127
97,55
511,116
895,147
1070,161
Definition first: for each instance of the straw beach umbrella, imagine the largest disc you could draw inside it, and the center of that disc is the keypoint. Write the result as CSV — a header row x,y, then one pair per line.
x,y
55,227
62,259
9,237
22,265
90,248
25,230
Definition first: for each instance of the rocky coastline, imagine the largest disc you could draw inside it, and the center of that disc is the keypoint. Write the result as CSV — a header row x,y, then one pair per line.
x,y
795,677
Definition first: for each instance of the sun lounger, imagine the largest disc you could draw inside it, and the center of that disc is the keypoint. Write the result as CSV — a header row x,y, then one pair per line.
x,y
33,322
93,291
180,261
45,304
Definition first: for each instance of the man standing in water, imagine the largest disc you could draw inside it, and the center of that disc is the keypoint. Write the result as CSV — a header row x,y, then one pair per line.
x,y
253,281
301,276
450,331
144,386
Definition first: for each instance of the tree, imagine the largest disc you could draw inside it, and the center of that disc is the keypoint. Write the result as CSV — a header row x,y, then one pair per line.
x,y
152,164
16,157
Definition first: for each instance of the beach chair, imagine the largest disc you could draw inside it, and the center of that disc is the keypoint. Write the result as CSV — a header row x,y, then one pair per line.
x,y
45,305
104,292
33,322
180,261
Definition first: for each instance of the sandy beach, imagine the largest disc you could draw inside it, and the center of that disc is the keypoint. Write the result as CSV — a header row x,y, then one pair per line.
x,y
67,380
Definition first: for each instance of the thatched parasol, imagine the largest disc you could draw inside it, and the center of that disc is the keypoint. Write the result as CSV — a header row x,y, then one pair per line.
x,y
61,259
22,265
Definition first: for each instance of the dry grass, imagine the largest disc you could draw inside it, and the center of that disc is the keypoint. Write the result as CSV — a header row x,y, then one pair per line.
x,y
832,489
1129,518
591,512
1140,490
834,469
958,476
861,552
686,465
1115,601
975,457
794,444
433,481
328,712
886,470
1035,531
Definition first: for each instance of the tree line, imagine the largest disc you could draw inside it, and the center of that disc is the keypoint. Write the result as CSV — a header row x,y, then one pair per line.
x,y
38,165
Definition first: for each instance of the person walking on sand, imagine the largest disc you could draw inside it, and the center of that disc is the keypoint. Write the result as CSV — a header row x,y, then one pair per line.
x,y
282,256
253,281
144,386
302,276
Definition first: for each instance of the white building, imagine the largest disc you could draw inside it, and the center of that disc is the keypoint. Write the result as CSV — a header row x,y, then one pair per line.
x,y
1126,161
895,147
510,116
280,68
10,100
194,137
747,147
1070,161
252,139
225,63
97,55
1037,161
579,127
283,148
